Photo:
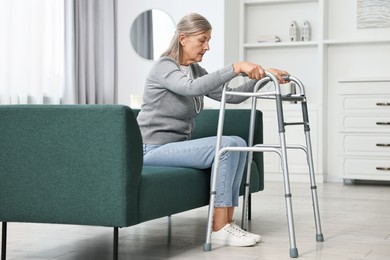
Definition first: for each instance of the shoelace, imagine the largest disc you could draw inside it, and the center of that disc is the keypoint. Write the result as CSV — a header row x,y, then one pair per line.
x,y
235,231
237,228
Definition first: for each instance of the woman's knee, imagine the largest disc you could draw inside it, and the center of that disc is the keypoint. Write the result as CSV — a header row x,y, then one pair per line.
x,y
240,141
233,141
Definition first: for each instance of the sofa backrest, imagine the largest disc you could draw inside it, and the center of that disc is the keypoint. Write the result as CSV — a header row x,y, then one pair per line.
x,y
73,164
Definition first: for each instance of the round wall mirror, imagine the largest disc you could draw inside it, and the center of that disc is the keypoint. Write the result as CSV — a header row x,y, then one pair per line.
x,y
151,33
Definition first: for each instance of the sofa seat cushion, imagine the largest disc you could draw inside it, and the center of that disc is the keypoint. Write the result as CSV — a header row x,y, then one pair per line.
x,y
169,190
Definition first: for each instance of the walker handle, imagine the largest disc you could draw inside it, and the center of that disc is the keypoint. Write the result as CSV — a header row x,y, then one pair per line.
x,y
286,77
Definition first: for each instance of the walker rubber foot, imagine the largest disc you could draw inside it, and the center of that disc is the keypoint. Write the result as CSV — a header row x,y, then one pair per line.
x,y
207,247
320,238
293,252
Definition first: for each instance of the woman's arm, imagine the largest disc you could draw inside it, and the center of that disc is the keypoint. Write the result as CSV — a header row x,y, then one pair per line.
x,y
167,74
249,85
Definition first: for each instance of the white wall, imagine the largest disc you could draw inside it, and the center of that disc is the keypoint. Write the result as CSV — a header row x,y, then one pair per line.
x,y
342,23
132,69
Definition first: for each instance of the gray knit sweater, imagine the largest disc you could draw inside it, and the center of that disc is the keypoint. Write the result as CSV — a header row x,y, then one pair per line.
x,y
168,110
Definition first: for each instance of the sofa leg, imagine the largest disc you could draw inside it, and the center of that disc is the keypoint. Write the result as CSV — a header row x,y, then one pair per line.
x,y
4,241
115,249
250,206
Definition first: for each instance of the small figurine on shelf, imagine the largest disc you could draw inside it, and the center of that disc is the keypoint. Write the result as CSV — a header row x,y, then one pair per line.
x,y
294,33
305,31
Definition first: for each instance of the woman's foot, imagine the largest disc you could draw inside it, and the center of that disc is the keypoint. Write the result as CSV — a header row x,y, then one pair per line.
x,y
256,237
231,236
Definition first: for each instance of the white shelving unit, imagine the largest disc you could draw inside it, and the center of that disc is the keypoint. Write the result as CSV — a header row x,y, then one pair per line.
x,y
337,52
302,59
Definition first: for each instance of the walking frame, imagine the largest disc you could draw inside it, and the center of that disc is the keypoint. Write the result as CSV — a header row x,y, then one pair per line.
x,y
280,149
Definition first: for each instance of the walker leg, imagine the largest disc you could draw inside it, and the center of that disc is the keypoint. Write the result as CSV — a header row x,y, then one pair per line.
x,y
246,201
283,149
288,199
213,192
245,208
207,244
213,185
313,186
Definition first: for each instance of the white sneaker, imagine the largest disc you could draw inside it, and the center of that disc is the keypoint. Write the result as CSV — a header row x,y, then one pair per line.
x,y
256,237
230,236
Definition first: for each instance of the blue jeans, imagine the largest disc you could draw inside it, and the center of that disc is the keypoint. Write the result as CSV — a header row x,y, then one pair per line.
x,y
199,154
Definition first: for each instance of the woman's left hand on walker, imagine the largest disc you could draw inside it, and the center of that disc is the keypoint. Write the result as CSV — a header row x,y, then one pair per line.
x,y
279,74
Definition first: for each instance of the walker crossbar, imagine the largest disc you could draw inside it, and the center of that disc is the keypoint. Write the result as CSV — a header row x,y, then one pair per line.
x,y
280,149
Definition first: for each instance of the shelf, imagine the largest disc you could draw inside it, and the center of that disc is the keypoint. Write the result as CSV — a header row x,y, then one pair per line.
x,y
272,2
279,44
347,42
311,43
365,79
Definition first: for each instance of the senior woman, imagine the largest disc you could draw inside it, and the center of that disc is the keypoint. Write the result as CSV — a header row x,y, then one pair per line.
x,y
173,97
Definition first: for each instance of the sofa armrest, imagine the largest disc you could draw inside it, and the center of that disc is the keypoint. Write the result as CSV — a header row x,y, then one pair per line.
x,y
71,164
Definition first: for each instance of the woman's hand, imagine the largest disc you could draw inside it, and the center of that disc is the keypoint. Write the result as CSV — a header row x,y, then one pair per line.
x,y
253,71
279,74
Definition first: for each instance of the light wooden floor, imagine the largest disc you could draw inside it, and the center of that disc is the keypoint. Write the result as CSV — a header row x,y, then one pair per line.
x,y
355,222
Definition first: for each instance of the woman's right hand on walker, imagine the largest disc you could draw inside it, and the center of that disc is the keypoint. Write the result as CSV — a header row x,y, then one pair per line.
x,y
253,71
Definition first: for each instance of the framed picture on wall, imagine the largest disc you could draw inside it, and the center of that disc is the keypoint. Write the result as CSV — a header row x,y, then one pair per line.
x,y
373,14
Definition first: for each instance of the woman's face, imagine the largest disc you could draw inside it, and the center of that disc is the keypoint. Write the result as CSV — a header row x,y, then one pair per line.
x,y
194,47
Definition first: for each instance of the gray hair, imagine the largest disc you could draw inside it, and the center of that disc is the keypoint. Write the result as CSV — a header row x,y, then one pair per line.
x,y
190,24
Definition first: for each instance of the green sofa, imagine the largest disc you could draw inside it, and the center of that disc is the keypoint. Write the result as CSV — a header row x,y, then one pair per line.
x,y
82,164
